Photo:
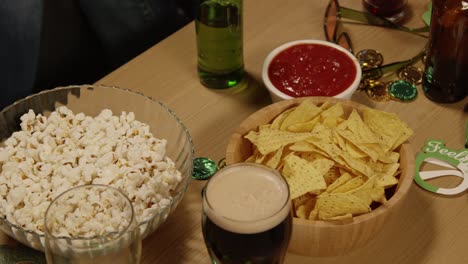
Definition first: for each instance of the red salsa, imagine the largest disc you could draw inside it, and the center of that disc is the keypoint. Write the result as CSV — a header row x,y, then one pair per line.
x,y
311,70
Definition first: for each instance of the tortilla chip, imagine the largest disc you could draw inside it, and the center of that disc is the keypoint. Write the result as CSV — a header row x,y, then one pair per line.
x,y
274,161
335,111
339,182
350,184
303,210
370,192
391,130
339,204
304,176
304,127
332,175
276,123
387,177
269,140
306,111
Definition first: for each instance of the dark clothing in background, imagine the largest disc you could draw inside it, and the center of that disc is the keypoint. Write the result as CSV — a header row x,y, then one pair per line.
x,y
48,43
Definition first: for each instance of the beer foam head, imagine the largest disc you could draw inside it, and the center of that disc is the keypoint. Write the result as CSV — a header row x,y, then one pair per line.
x,y
247,198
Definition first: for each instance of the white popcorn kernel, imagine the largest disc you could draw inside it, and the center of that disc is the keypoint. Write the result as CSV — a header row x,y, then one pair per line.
x,y
5,153
105,114
55,153
80,116
64,111
16,195
134,154
40,123
11,141
3,190
105,160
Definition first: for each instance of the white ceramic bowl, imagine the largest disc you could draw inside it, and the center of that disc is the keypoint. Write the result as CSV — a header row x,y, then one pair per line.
x,y
277,95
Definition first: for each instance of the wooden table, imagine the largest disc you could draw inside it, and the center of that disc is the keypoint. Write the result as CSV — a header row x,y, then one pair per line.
x,y
430,228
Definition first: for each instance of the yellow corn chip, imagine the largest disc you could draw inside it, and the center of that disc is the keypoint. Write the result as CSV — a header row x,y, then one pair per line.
x,y
351,184
339,204
304,176
387,176
369,192
276,123
254,155
335,111
336,166
311,156
260,158
250,159
405,134
260,128
332,175
269,140
331,121
391,130
354,151
304,127
339,182
357,165
325,105
252,136
357,130
302,199
306,111
303,210
313,215
393,157
274,161
302,146
338,140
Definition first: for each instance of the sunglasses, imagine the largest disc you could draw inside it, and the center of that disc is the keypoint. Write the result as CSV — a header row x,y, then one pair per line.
x,y
333,28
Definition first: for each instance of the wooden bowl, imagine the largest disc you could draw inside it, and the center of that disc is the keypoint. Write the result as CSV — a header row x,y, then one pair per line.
x,y
321,238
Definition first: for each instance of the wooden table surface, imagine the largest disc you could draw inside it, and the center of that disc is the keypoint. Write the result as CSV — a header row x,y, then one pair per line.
x,y
430,228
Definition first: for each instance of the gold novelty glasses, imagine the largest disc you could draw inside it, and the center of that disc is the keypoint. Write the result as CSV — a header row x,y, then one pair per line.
x,y
333,28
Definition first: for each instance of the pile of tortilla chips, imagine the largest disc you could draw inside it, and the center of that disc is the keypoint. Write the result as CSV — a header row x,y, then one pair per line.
x,y
336,165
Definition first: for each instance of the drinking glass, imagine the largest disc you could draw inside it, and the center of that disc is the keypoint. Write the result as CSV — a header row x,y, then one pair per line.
x,y
92,224
246,215
393,10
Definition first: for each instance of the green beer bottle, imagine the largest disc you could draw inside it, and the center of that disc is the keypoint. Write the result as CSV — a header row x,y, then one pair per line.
x,y
218,25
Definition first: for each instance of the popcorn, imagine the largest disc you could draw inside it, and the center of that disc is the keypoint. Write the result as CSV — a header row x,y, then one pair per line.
x,y
103,212
53,154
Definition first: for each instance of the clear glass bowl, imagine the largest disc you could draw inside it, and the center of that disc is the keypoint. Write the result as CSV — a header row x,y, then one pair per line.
x,y
91,100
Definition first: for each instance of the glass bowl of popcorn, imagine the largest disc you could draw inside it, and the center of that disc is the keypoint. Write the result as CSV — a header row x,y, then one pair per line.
x,y
90,134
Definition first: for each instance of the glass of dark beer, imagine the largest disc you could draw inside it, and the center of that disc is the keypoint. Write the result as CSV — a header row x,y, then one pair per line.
x,y
247,215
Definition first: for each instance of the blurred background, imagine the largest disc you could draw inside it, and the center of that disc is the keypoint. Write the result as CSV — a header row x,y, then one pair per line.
x,y
50,43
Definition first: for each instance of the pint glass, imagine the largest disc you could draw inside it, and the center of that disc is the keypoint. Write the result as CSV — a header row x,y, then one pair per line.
x,y
246,215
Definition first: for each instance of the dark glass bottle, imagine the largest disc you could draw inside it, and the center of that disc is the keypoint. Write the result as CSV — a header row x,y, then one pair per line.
x,y
446,68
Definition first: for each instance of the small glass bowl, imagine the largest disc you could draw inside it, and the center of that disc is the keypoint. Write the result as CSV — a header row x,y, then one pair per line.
x,y
91,100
